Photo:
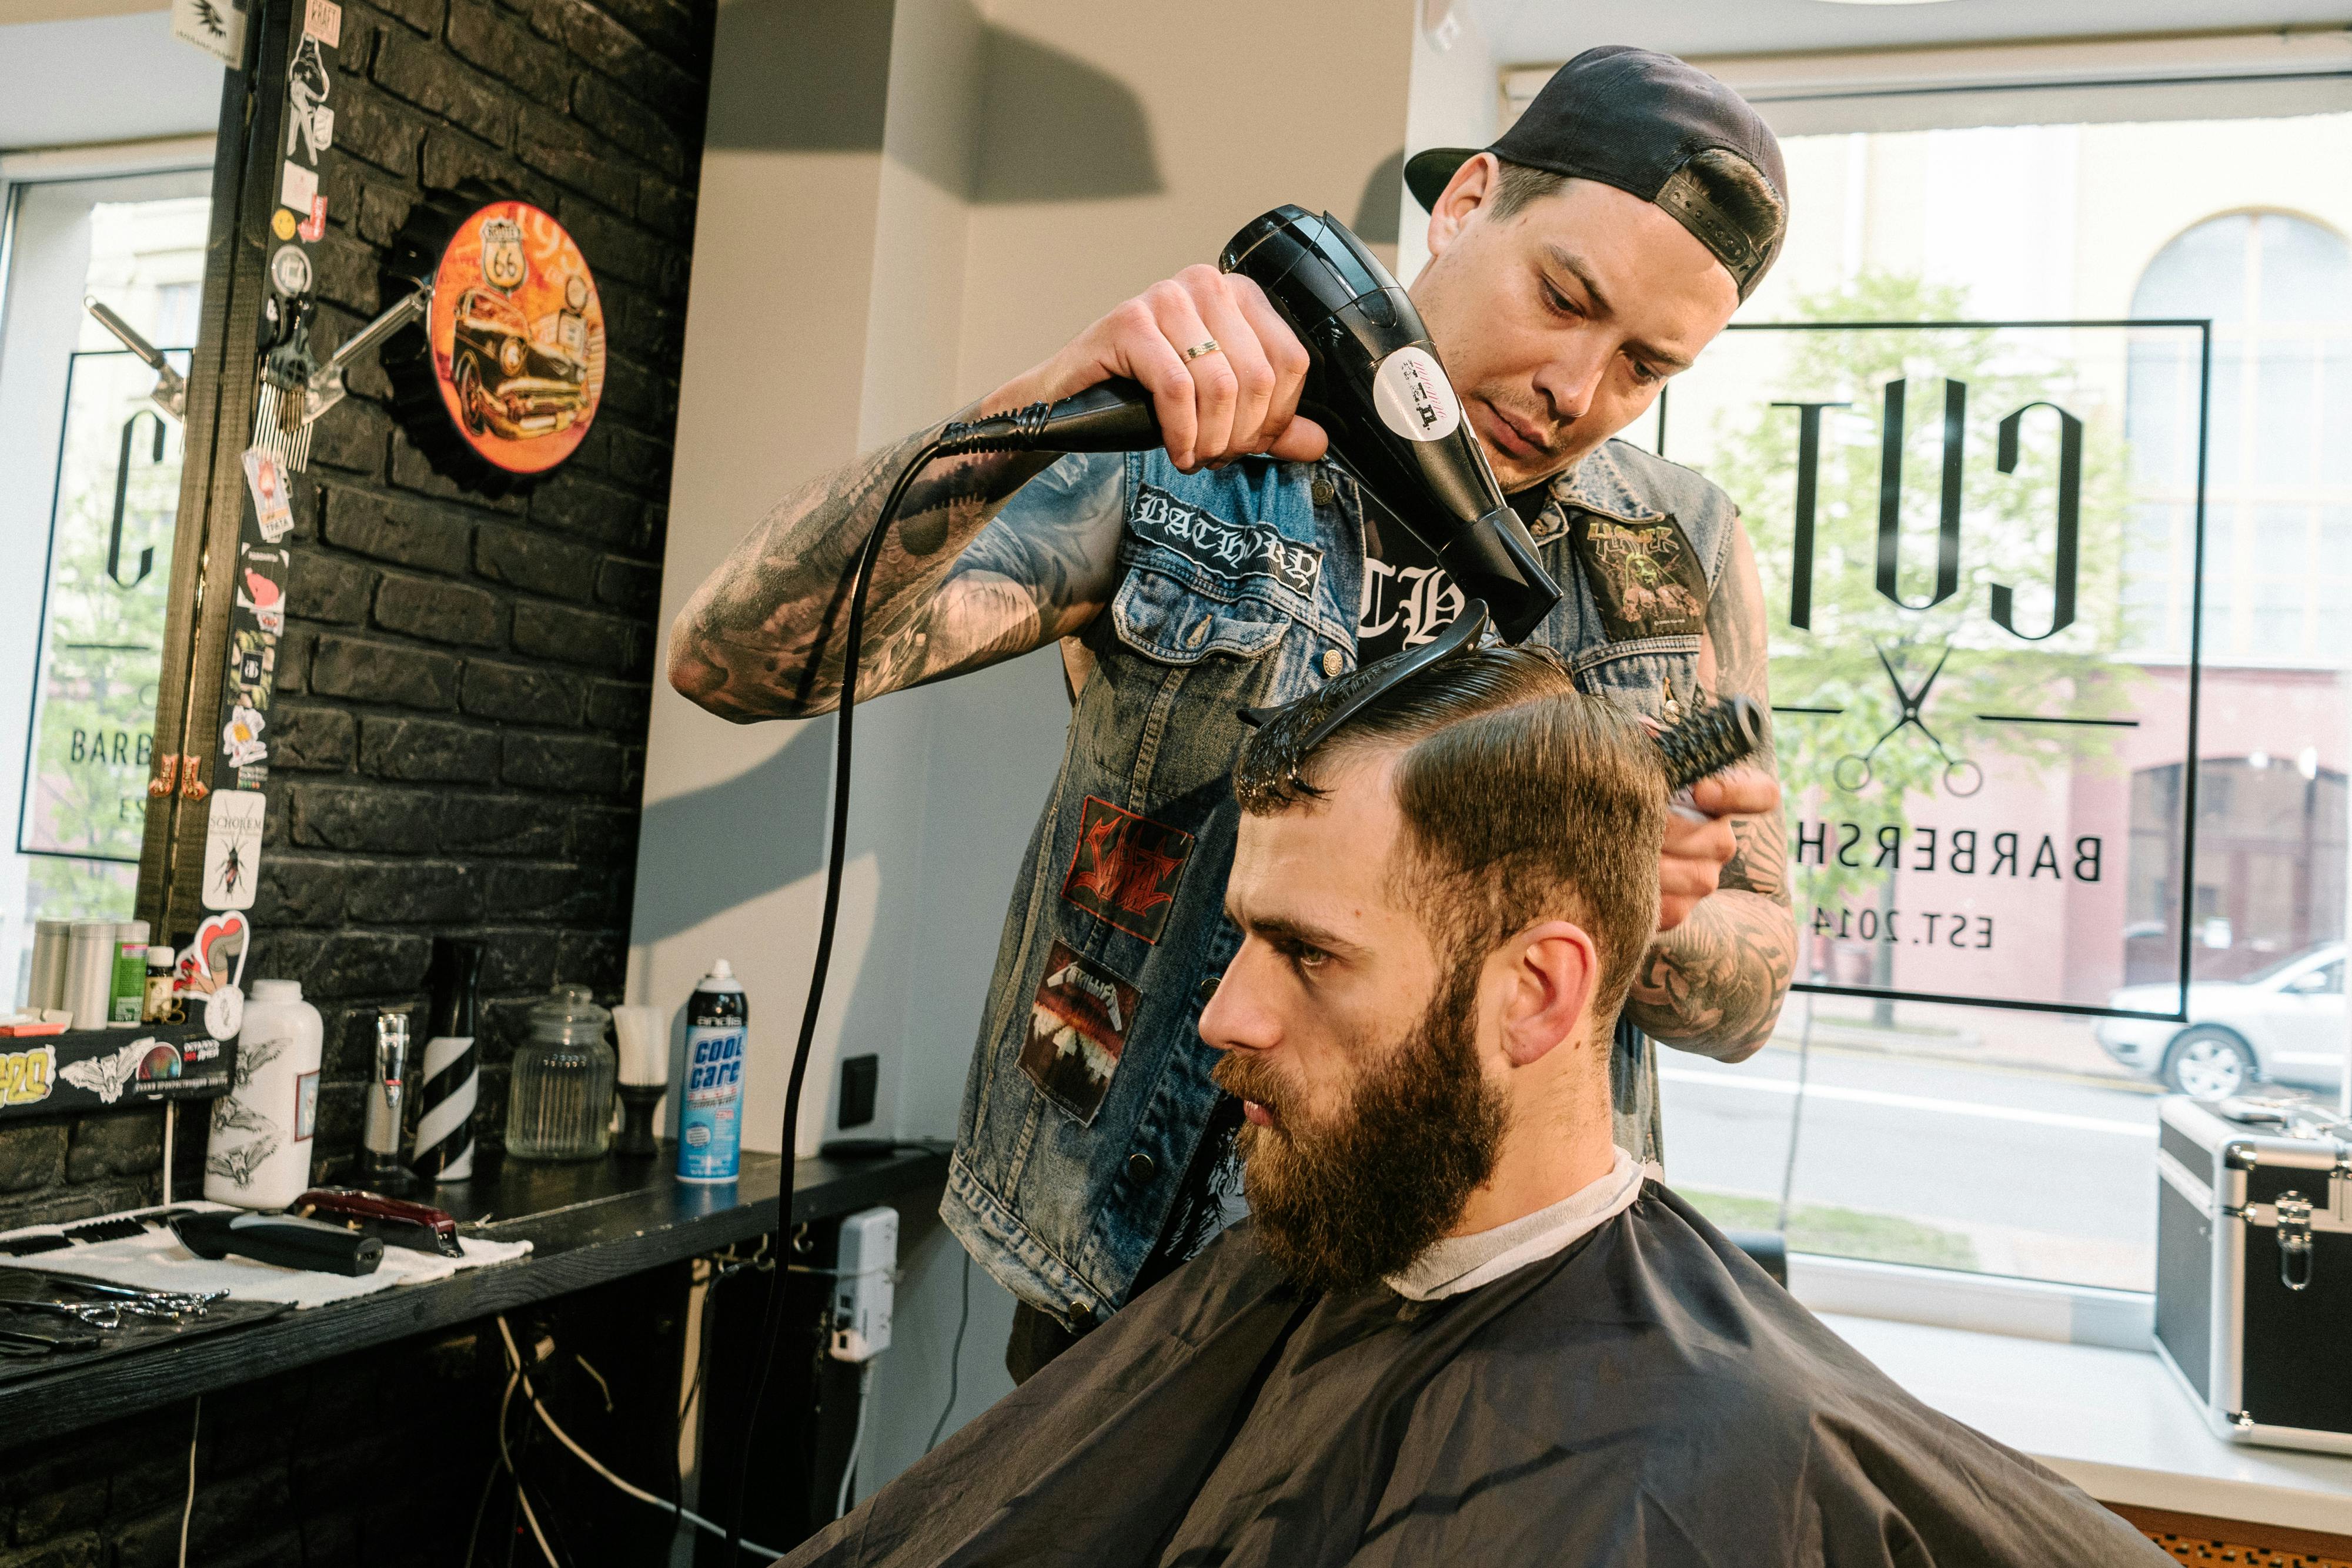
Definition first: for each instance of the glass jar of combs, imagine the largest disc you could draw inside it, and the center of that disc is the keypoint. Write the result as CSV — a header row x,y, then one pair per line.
x,y
559,1097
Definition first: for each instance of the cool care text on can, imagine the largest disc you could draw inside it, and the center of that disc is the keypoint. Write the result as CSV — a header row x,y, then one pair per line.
x,y
714,1071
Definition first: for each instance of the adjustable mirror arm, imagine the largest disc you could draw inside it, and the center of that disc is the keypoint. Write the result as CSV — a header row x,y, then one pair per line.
x,y
326,386
171,394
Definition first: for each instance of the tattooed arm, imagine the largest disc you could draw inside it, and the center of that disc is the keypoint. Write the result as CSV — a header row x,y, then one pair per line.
x,y
982,565
966,578
1713,981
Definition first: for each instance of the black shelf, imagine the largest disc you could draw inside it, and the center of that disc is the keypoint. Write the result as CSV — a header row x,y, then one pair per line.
x,y
587,1223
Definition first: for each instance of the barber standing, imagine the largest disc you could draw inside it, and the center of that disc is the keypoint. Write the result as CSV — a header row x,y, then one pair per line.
x,y
1574,266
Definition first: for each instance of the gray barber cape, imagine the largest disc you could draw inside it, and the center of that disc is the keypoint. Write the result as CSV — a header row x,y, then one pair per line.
x,y
1647,1395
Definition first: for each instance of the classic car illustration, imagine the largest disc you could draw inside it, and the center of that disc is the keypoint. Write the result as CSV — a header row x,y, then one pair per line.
x,y
509,383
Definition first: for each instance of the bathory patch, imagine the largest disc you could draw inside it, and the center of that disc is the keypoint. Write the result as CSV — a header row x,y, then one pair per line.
x,y
1077,1028
1126,868
1230,550
1644,576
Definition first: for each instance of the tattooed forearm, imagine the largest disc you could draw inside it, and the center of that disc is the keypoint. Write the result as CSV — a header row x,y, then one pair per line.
x,y
1715,983
954,587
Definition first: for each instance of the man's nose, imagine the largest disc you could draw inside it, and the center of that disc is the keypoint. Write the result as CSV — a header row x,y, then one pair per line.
x,y
1236,1017
1572,382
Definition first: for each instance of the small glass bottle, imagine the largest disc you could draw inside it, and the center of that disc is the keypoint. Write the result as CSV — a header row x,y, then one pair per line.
x,y
559,1094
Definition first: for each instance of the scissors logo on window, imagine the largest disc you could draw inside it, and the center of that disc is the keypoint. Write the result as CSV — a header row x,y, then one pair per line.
x,y
1961,777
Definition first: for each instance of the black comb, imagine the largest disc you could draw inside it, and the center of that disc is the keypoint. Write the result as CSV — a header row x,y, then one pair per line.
x,y
113,1229
1708,739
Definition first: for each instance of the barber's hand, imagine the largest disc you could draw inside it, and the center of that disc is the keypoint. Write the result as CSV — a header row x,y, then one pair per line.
x,y
1691,864
1214,407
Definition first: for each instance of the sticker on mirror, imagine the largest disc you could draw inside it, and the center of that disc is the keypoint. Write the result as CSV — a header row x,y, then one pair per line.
x,y
266,478
233,848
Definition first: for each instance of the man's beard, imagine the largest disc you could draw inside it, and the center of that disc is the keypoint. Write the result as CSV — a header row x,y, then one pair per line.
x,y
1342,1203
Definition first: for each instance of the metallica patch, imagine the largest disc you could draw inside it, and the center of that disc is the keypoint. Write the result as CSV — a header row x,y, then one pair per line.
x,y
1077,1028
1230,550
1126,868
1645,576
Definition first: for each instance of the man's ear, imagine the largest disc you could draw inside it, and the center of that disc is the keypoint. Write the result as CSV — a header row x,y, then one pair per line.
x,y
1471,187
1554,968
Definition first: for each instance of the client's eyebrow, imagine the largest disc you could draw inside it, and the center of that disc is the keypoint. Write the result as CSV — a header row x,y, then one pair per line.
x,y
1568,261
1292,929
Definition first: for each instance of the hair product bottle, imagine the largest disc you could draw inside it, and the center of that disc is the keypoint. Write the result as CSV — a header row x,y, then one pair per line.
x,y
259,1152
446,1083
710,1121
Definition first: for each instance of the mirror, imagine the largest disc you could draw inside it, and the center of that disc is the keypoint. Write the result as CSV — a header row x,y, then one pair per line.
x,y
85,547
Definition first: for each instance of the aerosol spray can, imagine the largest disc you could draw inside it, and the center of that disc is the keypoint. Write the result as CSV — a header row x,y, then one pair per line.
x,y
710,1119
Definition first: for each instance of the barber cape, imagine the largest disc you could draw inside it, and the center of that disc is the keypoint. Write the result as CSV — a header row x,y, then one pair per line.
x,y
1645,1395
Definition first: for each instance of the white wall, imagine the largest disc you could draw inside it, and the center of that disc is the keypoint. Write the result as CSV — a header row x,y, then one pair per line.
x,y
1455,96
903,205
67,78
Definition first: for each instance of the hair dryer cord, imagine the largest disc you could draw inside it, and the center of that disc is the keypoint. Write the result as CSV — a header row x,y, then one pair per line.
x,y
836,843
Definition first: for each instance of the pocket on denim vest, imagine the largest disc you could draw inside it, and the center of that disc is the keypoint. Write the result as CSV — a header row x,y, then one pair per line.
x,y
1166,612
1641,673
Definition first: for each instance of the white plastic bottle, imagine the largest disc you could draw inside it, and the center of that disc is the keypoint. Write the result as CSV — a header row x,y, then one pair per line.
x,y
260,1156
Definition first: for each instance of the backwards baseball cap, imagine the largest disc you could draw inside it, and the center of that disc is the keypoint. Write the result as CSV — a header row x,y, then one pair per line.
x,y
1635,118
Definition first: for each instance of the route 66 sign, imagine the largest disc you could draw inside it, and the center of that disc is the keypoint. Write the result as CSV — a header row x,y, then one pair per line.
x,y
507,380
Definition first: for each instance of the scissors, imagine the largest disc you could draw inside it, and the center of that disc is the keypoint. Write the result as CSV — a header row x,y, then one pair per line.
x,y
1853,773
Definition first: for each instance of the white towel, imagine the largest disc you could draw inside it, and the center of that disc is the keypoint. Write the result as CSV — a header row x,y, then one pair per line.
x,y
154,1260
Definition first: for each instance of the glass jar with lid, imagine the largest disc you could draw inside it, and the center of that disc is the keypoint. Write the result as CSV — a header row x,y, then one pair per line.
x,y
559,1097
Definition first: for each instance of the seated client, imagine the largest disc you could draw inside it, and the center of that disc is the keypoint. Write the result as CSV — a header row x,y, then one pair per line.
x,y
1459,1326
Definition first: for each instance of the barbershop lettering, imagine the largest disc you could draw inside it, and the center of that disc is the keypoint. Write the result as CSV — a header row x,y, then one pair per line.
x,y
1888,561
1961,851
109,747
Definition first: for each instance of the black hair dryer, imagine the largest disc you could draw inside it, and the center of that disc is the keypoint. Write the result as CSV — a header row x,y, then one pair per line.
x,y
1374,382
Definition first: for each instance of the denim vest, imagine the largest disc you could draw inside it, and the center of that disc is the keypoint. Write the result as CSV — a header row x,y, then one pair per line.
x,y
1090,1087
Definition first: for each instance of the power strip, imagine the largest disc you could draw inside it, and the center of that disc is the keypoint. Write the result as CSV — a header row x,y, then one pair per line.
x,y
866,1268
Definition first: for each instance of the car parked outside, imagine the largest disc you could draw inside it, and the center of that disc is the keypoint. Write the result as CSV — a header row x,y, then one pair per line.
x,y
2282,1025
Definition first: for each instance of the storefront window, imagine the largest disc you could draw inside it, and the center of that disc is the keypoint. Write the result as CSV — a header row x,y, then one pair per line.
x,y
2003,550
86,535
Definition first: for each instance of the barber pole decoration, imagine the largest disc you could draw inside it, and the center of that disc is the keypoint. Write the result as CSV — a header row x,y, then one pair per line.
x,y
444,1149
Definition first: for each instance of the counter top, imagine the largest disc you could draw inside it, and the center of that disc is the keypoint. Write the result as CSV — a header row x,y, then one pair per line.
x,y
587,1223
2113,1422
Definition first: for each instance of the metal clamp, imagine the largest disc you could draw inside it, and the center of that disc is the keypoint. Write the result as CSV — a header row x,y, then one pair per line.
x,y
2295,1240
171,394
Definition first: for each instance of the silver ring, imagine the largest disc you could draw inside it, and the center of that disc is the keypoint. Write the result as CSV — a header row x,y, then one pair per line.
x,y
1206,346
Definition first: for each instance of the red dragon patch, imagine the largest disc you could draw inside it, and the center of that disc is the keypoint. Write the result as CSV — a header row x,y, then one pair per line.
x,y
1126,868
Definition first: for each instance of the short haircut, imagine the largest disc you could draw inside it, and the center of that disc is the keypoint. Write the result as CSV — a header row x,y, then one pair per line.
x,y
1735,187
1523,799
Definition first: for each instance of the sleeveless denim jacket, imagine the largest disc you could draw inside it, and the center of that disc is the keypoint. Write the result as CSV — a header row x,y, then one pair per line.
x,y
1090,1086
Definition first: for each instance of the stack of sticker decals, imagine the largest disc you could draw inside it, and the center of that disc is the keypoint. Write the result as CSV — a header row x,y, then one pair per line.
x,y
280,445
279,423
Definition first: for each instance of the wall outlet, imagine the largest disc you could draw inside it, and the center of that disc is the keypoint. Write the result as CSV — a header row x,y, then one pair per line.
x,y
866,1269
861,1077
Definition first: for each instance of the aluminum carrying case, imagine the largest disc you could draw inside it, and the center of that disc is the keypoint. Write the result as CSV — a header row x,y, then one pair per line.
x,y
2253,1267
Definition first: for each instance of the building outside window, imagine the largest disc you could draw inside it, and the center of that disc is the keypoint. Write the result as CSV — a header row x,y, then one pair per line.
x,y
1891,1118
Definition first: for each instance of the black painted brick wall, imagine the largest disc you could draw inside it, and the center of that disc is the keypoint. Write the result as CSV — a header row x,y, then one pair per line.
x,y
334,1464
460,715
463,688
459,729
